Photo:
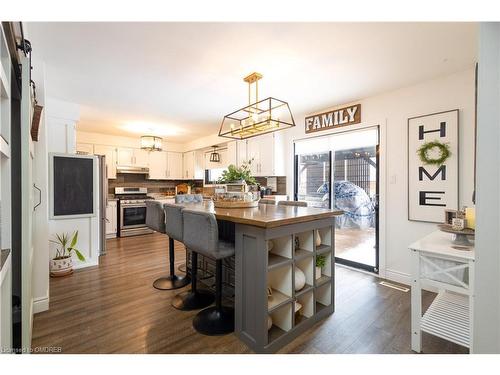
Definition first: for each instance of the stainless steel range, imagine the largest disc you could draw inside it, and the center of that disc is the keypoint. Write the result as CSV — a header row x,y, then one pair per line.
x,y
132,211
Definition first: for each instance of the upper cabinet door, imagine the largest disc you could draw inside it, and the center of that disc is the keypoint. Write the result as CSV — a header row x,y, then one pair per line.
x,y
241,152
188,165
125,156
158,165
141,157
110,153
232,153
175,166
266,155
253,155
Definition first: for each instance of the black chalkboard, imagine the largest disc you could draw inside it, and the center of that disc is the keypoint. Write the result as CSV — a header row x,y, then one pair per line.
x,y
73,186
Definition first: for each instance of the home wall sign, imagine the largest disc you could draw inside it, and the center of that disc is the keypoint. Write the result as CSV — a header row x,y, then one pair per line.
x,y
334,119
432,166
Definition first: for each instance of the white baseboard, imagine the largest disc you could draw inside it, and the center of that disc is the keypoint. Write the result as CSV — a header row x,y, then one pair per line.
x,y
40,304
88,263
397,276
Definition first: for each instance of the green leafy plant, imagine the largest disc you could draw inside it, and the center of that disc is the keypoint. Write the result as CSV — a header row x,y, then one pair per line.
x,y
444,152
234,173
320,261
66,246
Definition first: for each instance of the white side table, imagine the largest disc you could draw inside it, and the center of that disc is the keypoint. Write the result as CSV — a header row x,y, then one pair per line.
x,y
437,263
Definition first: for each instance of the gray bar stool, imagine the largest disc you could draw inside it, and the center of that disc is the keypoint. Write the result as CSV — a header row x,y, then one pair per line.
x,y
293,203
155,219
188,198
204,238
195,298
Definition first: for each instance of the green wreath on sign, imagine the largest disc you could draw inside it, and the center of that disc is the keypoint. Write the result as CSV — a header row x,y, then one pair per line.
x,y
444,153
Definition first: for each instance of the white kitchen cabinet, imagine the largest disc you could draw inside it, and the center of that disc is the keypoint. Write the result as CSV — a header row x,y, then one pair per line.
x,y
188,165
174,165
132,157
158,169
241,152
110,153
141,157
165,165
267,152
111,219
125,156
232,153
85,148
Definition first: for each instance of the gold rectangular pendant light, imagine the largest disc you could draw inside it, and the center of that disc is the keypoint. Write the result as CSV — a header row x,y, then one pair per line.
x,y
261,117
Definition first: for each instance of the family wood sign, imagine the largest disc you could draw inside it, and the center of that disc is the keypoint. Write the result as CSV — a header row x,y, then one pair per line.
x,y
334,119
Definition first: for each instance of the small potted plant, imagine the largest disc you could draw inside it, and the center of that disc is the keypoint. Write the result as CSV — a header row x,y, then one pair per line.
x,y
62,263
320,263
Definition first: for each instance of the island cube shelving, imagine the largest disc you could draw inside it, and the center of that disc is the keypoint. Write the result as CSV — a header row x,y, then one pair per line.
x,y
257,269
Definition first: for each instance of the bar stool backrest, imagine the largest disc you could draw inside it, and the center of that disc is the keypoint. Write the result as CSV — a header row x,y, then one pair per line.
x,y
174,224
189,198
155,216
293,203
201,232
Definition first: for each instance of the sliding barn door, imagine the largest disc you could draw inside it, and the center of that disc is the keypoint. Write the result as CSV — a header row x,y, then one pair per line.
x,y
26,205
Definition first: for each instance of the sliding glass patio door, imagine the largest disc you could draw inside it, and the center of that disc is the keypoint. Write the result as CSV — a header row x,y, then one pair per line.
x,y
341,171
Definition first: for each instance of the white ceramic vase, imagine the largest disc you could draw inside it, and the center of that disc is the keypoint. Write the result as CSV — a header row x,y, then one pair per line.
x,y
269,322
300,279
61,267
318,272
318,239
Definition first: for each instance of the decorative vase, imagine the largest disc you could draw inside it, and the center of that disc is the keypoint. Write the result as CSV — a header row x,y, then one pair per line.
x,y
318,239
61,266
318,272
269,245
300,279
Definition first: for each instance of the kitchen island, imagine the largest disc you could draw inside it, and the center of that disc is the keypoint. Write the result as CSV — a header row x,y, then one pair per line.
x,y
270,242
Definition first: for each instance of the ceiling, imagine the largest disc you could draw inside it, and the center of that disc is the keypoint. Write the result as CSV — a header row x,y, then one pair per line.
x,y
179,79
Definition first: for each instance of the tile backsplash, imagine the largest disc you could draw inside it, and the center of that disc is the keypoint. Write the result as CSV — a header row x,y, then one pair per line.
x,y
154,186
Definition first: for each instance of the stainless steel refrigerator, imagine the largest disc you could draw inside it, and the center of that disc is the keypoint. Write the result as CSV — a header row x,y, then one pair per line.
x,y
103,202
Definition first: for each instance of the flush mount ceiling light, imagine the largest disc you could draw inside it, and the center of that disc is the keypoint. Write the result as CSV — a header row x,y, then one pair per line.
x,y
260,117
151,143
215,156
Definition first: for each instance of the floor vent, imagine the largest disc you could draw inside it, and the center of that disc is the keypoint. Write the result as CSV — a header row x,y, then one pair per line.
x,y
394,286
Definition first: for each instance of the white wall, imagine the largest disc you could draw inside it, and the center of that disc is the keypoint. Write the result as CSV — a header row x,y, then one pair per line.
x,y
40,216
118,141
62,118
487,281
391,111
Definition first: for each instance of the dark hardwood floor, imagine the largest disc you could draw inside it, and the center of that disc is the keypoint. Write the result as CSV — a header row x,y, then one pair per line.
x,y
114,308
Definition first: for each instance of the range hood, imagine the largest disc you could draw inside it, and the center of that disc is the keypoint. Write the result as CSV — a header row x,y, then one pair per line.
x,y
131,169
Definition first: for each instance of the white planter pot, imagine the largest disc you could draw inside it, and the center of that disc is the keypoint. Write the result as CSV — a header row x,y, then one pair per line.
x,y
61,267
318,272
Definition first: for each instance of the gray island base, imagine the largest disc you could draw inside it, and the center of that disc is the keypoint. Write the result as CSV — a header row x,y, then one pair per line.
x,y
270,242
257,269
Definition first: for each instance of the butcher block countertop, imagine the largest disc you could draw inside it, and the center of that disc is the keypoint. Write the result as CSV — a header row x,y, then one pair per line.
x,y
265,215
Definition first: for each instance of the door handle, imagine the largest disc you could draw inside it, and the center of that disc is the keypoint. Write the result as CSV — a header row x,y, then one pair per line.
x,y
39,197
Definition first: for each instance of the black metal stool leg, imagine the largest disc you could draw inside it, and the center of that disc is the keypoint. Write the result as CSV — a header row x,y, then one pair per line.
x,y
172,281
218,319
196,298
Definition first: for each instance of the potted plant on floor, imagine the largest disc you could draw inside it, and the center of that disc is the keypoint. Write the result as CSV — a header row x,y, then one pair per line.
x,y
320,263
62,263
